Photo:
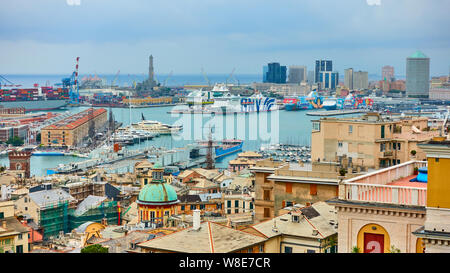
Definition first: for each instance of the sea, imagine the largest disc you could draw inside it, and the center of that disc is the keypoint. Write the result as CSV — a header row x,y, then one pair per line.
x,y
255,129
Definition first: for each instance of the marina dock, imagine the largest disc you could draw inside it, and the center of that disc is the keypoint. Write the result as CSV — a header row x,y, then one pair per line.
x,y
336,112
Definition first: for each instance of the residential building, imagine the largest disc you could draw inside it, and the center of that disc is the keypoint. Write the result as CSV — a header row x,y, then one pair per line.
x,y
49,208
348,78
311,229
280,184
435,232
417,75
72,130
205,237
8,132
238,203
378,211
387,73
371,141
211,203
297,74
360,80
13,235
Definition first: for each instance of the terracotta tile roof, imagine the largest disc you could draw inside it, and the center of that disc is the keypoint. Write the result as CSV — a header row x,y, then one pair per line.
x,y
76,120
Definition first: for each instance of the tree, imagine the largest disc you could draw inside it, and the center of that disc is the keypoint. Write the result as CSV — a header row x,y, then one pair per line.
x,y
413,152
394,249
94,249
15,141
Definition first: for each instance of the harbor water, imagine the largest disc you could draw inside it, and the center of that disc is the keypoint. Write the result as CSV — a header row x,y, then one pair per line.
x,y
287,127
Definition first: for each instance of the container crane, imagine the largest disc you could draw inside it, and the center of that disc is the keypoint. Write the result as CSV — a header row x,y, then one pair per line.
x,y
167,79
115,78
206,77
72,84
3,79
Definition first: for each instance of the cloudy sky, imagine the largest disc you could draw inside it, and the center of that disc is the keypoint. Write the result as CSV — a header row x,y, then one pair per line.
x,y
45,36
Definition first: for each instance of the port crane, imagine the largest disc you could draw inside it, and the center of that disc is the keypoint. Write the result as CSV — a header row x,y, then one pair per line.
x,y
115,79
3,79
72,84
168,77
206,77
231,77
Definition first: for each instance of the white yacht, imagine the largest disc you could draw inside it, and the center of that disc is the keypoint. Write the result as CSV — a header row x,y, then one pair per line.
x,y
157,127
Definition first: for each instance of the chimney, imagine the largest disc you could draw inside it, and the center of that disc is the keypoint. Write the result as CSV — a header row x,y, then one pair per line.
x,y
196,220
3,195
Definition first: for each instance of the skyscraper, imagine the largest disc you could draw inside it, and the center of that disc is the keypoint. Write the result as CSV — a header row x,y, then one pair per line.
x,y
276,73
418,75
322,65
265,70
310,77
328,79
348,78
387,73
297,74
360,80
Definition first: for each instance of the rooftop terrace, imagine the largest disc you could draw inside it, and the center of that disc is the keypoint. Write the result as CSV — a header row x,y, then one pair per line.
x,y
390,185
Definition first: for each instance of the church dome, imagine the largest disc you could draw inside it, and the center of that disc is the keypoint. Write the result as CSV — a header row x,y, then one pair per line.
x,y
157,194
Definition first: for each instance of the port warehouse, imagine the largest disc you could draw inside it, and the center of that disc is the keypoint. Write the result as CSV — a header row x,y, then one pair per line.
x,y
72,130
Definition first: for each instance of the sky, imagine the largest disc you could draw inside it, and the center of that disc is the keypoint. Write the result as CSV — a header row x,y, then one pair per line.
x,y
186,36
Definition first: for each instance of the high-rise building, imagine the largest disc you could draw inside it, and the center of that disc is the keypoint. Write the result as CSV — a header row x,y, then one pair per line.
x,y
417,75
348,78
387,73
322,65
360,80
265,70
297,74
310,77
328,79
276,73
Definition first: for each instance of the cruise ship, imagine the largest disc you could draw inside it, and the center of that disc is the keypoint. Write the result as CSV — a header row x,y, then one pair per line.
x,y
311,101
157,127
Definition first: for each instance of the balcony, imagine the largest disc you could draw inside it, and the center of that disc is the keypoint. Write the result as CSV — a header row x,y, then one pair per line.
x,y
390,186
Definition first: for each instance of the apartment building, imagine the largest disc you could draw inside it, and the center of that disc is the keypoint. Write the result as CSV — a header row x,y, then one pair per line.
x,y
280,184
378,212
371,141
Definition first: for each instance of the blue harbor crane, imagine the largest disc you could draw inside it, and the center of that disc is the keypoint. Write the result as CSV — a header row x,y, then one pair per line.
x,y
72,84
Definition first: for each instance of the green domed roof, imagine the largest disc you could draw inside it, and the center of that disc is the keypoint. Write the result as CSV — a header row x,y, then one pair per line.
x,y
157,193
418,54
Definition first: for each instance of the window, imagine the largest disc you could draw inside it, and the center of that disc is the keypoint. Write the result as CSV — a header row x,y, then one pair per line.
x,y
394,146
243,204
20,236
236,211
261,248
182,207
267,195
266,212
250,250
289,187
229,203
202,206
436,159
339,144
316,126
19,249
382,147
251,205
145,181
287,249
310,251
218,206
313,189
192,207
236,203
398,146
289,203
2,215
350,129
26,208
229,211
382,131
